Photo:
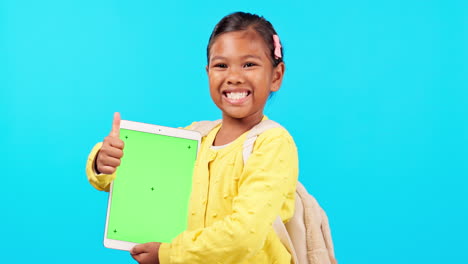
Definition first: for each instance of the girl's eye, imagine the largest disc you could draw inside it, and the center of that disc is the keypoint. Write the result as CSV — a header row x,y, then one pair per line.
x,y
249,64
220,65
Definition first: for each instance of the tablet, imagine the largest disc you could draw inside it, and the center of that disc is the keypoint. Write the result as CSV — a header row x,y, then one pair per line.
x,y
148,200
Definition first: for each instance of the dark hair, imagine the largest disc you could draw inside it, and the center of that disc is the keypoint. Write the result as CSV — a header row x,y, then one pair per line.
x,y
242,21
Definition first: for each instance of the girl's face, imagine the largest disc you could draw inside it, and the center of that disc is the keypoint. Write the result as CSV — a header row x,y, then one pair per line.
x,y
241,74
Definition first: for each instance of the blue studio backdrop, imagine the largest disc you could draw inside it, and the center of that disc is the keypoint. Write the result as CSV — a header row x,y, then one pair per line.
x,y
375,95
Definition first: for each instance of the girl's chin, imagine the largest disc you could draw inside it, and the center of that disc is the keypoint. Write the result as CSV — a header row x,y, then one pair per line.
x,y
237,114
234,115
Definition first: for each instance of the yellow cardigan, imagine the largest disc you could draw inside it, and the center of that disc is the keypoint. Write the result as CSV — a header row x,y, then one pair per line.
x,y
232,205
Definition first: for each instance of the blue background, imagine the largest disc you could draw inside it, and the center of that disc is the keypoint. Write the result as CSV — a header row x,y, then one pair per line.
x,y
375,95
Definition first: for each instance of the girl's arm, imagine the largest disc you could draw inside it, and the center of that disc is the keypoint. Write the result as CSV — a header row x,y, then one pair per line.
x,y
269,180
105,156
99,181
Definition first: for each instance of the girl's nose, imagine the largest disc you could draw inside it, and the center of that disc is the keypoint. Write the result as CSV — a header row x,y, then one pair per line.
x,y
235,76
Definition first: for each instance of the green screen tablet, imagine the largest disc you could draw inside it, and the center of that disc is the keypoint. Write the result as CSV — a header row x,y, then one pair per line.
x,y
148,200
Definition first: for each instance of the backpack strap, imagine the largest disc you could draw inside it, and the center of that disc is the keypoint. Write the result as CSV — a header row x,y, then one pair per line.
x,y
296,230
204,127
253,134
285,239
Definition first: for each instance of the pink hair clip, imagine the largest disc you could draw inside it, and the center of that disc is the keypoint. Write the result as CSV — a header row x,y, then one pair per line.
x,y
277,44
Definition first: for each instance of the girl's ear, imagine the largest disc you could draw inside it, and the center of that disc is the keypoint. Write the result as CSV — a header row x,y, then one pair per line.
x,y
206,68
278,73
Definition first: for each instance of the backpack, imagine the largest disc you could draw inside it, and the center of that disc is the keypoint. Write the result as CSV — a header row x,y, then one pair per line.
x,y
307,234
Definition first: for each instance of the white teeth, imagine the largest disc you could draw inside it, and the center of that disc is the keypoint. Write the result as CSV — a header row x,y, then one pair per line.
x,y
236,96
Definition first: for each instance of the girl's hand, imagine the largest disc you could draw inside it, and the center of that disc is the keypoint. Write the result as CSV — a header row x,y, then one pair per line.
x,y
147,253
108,157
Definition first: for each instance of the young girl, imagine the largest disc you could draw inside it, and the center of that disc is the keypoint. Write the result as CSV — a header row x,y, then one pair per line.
x,y
232,205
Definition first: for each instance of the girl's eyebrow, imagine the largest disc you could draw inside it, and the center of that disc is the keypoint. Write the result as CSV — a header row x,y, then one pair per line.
x,y
249,56
217,58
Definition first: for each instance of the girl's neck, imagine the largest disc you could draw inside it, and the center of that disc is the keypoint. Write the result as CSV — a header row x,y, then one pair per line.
x,y
232,128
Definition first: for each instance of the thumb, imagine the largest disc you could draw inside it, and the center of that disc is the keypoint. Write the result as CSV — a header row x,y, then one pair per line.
x,y
138,249
116,125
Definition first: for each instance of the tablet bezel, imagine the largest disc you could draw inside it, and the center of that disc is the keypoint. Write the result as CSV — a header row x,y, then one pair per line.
x,y
153,129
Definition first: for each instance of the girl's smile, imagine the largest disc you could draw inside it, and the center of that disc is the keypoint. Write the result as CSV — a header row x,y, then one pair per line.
x,y
236,96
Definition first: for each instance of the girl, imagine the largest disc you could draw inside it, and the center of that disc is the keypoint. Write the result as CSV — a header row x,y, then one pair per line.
x,y
232,205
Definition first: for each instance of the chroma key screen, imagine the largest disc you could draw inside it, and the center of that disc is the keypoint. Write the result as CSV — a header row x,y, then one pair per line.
x,y
151,191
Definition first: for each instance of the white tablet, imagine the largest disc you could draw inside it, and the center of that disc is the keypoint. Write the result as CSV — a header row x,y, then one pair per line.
x,y
148,200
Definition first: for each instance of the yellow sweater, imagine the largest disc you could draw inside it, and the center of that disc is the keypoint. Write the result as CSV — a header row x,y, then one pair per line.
x,y
233,205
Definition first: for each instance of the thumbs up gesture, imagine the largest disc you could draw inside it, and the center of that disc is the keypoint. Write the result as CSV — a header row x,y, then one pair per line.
x,y
108,157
